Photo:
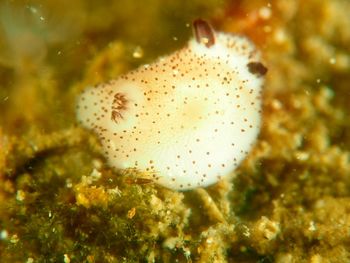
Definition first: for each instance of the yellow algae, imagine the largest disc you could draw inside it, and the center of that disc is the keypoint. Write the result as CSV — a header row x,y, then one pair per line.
x,y
88,196
288,201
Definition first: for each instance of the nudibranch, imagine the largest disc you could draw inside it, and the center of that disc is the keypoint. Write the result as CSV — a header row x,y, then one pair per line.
x,y
186,120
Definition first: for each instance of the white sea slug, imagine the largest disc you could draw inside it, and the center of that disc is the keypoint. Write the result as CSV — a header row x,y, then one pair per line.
x,y
187,119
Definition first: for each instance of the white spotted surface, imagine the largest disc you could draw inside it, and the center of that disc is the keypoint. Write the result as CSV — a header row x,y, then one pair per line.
x,y
188,119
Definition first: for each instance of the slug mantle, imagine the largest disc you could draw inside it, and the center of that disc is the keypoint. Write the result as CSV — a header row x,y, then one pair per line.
x,y
187,119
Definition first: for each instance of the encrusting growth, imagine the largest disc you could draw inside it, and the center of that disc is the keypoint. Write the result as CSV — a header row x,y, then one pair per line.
x,y
187,119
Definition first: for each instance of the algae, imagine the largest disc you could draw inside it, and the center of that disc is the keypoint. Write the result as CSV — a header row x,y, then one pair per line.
x,y
59,202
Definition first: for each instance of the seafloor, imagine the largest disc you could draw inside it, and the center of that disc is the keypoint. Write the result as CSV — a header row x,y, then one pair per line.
x,y
59,202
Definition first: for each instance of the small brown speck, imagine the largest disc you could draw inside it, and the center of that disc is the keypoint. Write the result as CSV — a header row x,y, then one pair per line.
x,y
257,68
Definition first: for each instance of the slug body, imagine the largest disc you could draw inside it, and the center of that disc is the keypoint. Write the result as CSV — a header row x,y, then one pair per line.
x,y
187,119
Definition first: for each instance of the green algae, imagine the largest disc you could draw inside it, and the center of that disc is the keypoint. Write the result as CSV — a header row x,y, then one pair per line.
x,y
59,202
